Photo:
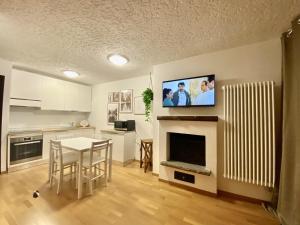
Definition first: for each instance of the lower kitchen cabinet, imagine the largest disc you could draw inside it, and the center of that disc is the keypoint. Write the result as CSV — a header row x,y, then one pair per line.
x,y
80,132
123,145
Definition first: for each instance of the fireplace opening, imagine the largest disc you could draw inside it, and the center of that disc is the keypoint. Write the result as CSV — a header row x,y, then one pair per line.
x,y
187,148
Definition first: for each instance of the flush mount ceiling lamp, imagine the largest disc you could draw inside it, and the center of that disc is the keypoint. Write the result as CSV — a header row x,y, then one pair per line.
x,y
70,73
118,60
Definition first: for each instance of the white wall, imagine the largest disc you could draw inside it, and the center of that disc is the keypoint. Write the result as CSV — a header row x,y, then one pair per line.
x,y
256,62
98,117
5,69
21,117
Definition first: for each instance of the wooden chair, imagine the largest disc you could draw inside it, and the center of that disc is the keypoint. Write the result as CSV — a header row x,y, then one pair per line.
x,y
147,148
92,163
59,162
66,151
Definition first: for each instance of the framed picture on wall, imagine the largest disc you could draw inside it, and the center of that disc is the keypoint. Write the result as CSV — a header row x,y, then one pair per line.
x,y
139,106
112,113
126,101
113,97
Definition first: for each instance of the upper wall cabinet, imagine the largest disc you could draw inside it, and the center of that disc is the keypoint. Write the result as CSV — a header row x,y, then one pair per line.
x,y
54,94
84,98
77,97
25,85
71,96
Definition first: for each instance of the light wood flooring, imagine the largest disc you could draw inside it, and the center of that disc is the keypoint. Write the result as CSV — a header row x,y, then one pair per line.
x,y
132,198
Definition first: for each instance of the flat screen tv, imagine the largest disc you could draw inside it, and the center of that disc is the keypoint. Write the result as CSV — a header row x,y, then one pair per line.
x,y
189,92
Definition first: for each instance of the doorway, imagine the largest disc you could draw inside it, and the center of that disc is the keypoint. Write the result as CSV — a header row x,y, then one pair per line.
x,y
2,79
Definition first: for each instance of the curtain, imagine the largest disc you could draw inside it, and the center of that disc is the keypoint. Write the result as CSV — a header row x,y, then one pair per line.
x,y
289,190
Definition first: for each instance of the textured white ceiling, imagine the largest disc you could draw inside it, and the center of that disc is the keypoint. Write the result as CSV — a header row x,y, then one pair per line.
x,y
51,35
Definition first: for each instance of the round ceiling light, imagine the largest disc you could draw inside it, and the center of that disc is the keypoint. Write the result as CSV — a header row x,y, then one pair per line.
x,y
117,59
71,74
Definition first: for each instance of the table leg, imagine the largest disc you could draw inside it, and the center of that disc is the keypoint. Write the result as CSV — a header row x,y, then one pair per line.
x,y
80,175
110,162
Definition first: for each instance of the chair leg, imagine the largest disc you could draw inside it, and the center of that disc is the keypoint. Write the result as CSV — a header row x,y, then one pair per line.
x,y
60,180
151,155
146,157
51,180
145,162
75,172
90,180
51,175
76,175
105,173
55,168
95,174
71,172
141,155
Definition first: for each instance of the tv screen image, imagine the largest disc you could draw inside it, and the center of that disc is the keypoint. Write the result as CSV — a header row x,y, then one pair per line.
x,y
194,91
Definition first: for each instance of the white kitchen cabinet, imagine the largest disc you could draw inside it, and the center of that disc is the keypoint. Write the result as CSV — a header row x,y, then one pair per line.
x,y
77,97
25,85
71,96
123,145
82,132
79,132
84,98
53,94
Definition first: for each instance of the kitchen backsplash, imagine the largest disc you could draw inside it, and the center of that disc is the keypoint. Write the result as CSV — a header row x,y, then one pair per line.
x,y
31,118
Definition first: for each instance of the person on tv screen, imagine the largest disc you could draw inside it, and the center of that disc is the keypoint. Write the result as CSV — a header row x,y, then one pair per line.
x,y
211,83
181,97
206,96
167,97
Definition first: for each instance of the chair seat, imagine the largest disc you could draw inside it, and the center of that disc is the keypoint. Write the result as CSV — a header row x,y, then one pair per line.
x,y
69,158
96,160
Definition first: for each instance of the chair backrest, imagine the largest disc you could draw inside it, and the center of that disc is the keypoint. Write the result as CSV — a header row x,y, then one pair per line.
x,y
97,148
56,151
98,136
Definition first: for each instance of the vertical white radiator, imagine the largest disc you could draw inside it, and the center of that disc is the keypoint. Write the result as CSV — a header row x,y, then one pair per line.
x,y
249,133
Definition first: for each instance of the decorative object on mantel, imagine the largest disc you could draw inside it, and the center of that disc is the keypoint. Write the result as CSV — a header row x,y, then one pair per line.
x,y
126,101
190,118
112,113
113,97
139,106
148,99
84,123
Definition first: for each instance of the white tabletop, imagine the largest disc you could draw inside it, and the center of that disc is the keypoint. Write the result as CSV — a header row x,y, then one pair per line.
x,y
79,143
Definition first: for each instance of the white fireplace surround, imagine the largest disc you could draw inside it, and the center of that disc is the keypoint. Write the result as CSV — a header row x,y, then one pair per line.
x,y
205,128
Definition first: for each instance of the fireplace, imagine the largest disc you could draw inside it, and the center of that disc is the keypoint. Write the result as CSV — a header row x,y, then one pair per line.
x,y
187,148
188,152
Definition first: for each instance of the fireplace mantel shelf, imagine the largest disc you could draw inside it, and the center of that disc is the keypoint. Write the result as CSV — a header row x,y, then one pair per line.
x,y
189,118
187,167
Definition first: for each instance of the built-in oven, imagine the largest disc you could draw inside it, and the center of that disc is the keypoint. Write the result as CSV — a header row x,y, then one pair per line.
x,y
26,148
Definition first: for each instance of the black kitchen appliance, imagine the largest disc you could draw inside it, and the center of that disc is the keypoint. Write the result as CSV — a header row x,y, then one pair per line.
x,y
125,125
26,148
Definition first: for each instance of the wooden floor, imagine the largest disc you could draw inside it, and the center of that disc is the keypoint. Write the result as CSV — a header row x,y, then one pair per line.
x,y
133,198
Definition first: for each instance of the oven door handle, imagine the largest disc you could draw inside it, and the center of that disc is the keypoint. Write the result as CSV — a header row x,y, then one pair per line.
x,y
27,143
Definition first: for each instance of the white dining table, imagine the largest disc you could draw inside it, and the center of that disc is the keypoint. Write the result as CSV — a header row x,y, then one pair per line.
x,y
81,145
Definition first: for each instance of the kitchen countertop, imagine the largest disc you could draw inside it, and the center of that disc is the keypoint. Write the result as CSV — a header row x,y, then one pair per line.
x,y
113,131
43,130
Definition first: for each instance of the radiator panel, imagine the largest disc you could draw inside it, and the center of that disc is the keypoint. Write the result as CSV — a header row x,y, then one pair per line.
x,y
249,133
